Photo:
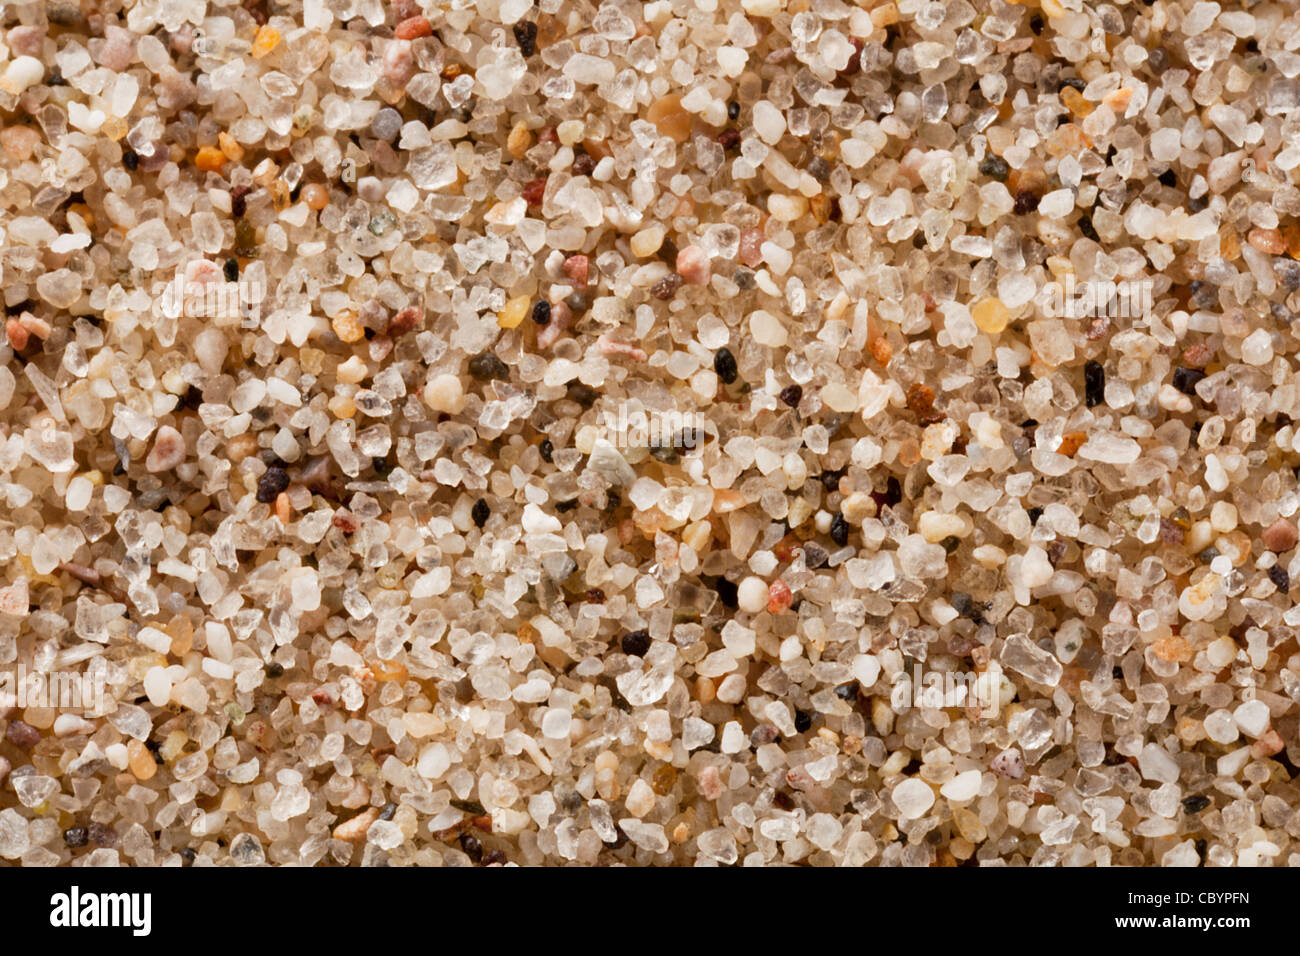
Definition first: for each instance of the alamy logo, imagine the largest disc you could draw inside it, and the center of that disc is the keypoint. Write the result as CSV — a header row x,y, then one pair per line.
x,y
654,429
60,690
1094,299
202,292
980,691
76,909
